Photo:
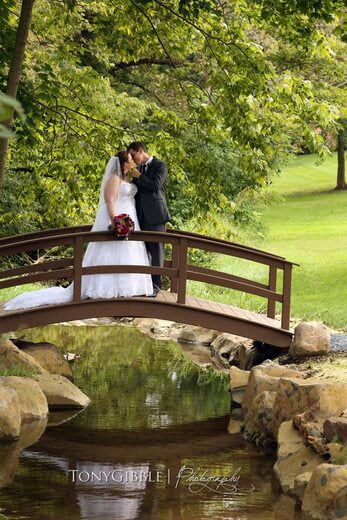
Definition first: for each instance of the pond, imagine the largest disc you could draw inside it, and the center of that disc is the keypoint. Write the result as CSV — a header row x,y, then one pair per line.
x,y
153,444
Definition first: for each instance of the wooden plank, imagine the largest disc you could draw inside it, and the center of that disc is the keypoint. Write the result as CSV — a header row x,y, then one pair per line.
x,y
182,271
271,304
40,277
222,275
34,268
232,284
112,269
287,282
174,264
77,268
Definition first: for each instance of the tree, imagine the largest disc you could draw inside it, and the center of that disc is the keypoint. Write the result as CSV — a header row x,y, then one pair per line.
x,y
197,80
341,146
15,72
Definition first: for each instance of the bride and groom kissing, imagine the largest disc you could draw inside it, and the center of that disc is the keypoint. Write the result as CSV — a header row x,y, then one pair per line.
x,y
133,183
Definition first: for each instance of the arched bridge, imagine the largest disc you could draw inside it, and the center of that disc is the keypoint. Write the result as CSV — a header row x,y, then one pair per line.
x,y
174,304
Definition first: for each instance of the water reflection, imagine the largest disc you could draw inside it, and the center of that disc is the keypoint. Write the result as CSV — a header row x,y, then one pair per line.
x,y
152,413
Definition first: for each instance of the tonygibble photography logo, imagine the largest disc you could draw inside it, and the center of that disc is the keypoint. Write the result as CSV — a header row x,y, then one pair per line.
x,y
196,479
199,479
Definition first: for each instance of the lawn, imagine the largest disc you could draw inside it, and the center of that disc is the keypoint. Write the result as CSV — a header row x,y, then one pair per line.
x,y
307,225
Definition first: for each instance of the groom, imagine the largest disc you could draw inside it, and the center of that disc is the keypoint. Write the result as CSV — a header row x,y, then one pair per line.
x,y
151,206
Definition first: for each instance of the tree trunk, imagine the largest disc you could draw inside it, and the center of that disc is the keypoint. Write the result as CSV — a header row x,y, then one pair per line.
x,y
341,170
15,71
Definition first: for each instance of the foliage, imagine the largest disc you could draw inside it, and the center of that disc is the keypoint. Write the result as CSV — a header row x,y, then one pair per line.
x,y
199,82
7,103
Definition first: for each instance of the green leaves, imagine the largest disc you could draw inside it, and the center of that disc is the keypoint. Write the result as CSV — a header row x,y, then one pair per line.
x,y
7,105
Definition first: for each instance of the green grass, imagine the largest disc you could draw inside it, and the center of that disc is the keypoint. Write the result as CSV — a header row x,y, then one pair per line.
x,y
307,225
18,370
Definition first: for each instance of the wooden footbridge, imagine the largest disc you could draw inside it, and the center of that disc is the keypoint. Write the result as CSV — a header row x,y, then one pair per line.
x,y
174,304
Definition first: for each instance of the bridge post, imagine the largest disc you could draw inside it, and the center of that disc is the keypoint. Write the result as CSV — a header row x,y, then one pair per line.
x,y
174,265
271,304
182,271
77,268
287,283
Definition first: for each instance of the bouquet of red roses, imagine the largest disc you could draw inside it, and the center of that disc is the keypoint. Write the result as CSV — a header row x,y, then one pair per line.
x,y
122,226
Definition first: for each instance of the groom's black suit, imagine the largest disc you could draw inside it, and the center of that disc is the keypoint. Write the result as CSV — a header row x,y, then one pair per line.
x,y
152,209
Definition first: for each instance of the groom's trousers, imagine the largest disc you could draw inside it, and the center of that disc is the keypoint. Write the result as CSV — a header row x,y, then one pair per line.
x,y
156,251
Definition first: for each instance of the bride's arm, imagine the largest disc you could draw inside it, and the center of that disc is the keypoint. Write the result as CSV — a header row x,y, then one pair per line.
x,y
110,195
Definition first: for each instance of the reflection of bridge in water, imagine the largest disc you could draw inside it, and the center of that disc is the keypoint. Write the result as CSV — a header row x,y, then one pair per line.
x,y
173,304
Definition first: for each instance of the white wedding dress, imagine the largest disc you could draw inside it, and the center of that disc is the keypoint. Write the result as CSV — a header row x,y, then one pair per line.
x,y
117,252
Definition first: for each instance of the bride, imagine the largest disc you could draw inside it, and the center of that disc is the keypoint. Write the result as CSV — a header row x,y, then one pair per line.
x,y
117,195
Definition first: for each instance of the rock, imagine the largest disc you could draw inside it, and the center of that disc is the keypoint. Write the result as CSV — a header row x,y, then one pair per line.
x,y
10,419
32,401
31,432
310,339
294,396
237,395
335,428
335,449
238,377
232,350
198,354
234,426
311,428
48,356
259,418
300,484
61,393
325,496
341,457
193,334
293,457
265,377
162,327
11,356
236,413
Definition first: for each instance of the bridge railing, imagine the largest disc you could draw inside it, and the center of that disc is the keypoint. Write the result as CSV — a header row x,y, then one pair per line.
x,y
176,268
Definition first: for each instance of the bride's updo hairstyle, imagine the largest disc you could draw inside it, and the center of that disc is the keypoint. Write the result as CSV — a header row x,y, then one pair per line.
x,y
123,157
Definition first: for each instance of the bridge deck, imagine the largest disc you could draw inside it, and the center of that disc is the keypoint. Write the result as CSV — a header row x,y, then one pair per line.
x,y
195,311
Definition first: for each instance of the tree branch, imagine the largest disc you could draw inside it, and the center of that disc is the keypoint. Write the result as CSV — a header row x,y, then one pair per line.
x,y
147,61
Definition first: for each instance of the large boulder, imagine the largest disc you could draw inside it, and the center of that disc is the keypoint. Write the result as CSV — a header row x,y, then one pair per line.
x,y
200,355
48,356
32,401
153,326
61,393
197,335
310,339
258,422
232,350
294,396
335,428
10,419
265,377
300,484
11,356
325,496
238,378
293,457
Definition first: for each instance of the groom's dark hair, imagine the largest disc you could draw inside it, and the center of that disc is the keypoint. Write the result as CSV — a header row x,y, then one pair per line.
x,y
136,146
